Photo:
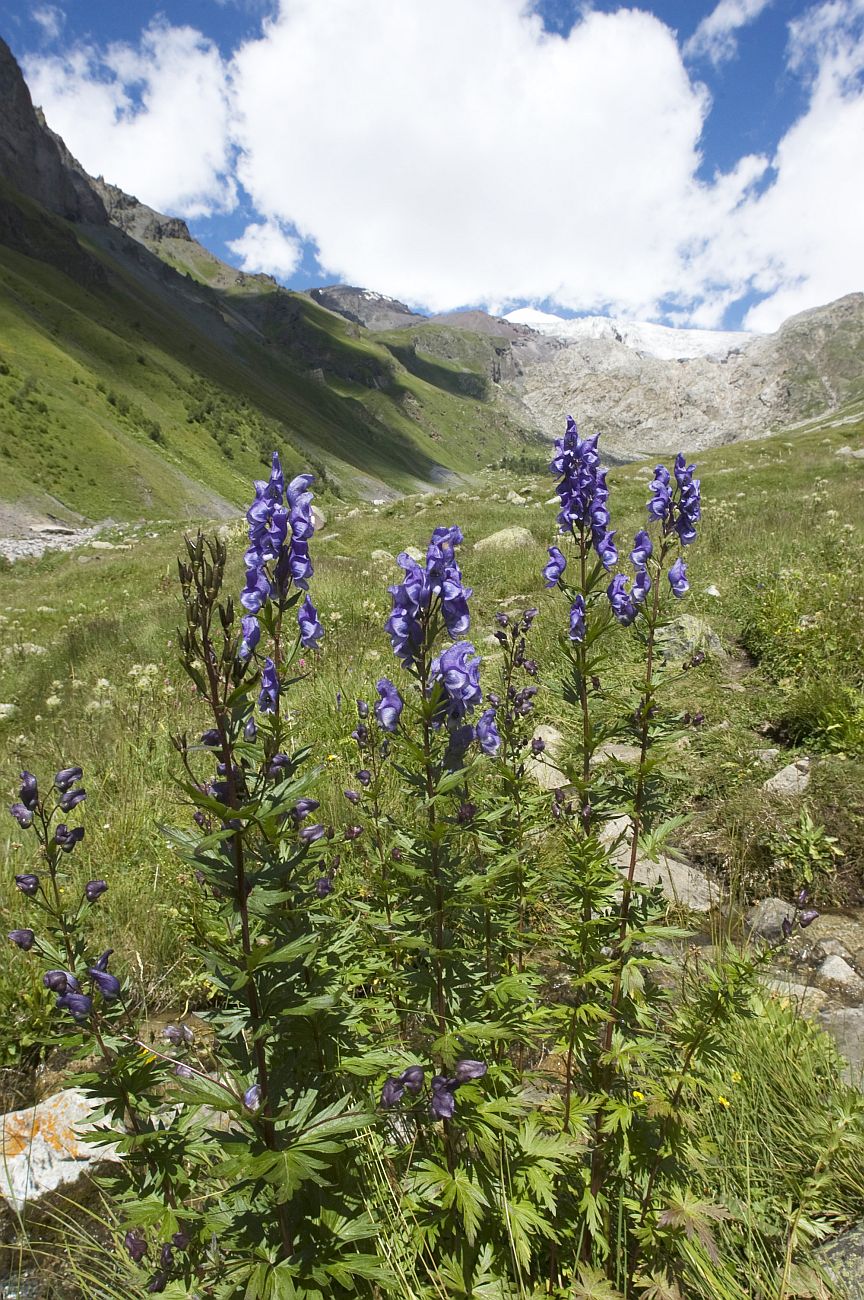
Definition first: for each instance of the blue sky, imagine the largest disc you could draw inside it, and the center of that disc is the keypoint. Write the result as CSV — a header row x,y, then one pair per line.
x,y
693,162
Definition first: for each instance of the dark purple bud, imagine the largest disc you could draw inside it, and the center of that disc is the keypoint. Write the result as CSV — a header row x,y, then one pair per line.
x,y
252,1098
803,895
443,1102
530,666
466,814
200,819
698,719
396,854
353,832
502,619
323,886
500,637
178,1034
67,777
22,815
136,1246
68,839
338,701
166,1255
467,1070
310,834
158,1283
181,1239
595,682
392,1093
364,777
94,889
362,709
277,765
23,939
493,699
352,796
360,734
528,618
302,809
28,884
413,1078
60,981
78,1005
183,1071
538,744
786,927
108,985
29,792
211,739
71,799
250,731
102,963
807,917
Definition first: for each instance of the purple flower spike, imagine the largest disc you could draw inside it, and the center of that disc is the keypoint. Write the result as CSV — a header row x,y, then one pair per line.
x,y
22,815
108,985
23,939
252,1098
268,696
678,579
468,1070
28,884
78,1005
390,706
95,889
457,668
135,1245
554,569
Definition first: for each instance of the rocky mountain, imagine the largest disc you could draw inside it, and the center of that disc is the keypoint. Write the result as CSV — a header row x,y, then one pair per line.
x,y
375,311
642,336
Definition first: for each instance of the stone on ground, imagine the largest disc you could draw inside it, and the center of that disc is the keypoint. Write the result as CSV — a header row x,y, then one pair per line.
x,y
543,768
620,753
506,539
515,499
686,634
765,920
41,1150
789,781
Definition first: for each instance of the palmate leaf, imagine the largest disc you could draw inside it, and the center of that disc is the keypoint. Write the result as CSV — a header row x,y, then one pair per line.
x,y
658,1287
693,1217
590,1284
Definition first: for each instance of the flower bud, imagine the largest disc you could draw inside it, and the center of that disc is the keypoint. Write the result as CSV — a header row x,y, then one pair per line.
x,y
79,1005
135,1245
252,1097
22,815
67,777
71,799
107,984
94,889
353,832
28,884
23,939
467,1070
310,834
67,839
29,792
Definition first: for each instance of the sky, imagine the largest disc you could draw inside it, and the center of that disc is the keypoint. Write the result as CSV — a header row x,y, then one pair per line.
x,y
693,162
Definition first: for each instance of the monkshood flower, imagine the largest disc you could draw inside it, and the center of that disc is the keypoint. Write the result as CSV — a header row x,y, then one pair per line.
x,y
302,809
68,839
465,1071
555,567
689,504
252,1098
443,1102
60,981
79,1005
268,696
67,777
309,624
641,586
458,670
250,630
178,1035
390,705
807,917
23,939
135,1245
486,731
28,884
582,491
440,581
642,550
102,962
71,799
620,599
660,504
410,1080
577,619
678,579
94,889
29,792
323,886
22,815
310,834
107,984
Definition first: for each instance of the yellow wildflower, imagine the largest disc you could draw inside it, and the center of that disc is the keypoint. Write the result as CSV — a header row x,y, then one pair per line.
x,y
736,1077
723,1101
637,1095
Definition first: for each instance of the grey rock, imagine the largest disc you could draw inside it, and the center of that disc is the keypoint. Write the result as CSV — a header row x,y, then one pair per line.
x,y
319,519
836,970
767,756
543,768
843,1261
619,753
789,781
687,634
846,1027
837,934
515,499
416,555
42,1148
383,558
7,711
807,999
506,539
681,882
765,920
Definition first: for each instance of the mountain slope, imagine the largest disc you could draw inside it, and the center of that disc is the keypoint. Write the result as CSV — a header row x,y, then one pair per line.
x,y
140,375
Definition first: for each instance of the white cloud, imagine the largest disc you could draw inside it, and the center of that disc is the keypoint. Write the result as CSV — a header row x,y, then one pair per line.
x,y
153,119
51,19
264,246
714,38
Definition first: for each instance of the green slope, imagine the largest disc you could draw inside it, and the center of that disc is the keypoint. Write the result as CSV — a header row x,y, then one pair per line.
x,y
127,388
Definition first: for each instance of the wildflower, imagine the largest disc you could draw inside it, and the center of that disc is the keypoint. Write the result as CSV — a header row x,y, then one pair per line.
x,y
660,505
302,809
250,731
538,744
79,1005
390,706
457,669
331,758
22,815
29,792
577,619
735,1077
786,927
60,981
352,796
250,630
637,1095
68,839
689,506
71,799
807,917
364,776
642,550
94,889
107,984
353,832
723,1101
392,1092
67,777
268,696
135,1245
309,624
23,939
28,884
181,1240
440,580
465,1071
158,1283
555,567
310,834
678,578
582,490
413,1078
443,1102
487,733
178,1034
102,962
621,601
323,886
252,1098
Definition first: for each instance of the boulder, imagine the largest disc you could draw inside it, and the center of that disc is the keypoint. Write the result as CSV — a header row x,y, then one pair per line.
x,y
836,970
619,753
41,1148
686,634
789,781
515,499
680,881
765,920
506,539
7,711
416,555
846,1027
319,519
838,934
843,1261
807,999
384,558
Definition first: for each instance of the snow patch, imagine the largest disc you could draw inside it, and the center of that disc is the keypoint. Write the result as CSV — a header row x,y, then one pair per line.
x,y
661,341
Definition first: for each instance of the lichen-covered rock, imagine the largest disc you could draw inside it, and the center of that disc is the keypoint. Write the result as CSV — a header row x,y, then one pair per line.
x,y
686,634
506,539
41,1148
765,920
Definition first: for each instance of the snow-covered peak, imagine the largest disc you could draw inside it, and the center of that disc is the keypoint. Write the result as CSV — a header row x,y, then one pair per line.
x,y
656,340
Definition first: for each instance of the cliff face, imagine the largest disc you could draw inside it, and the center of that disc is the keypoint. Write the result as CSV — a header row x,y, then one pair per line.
x,y
30,158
